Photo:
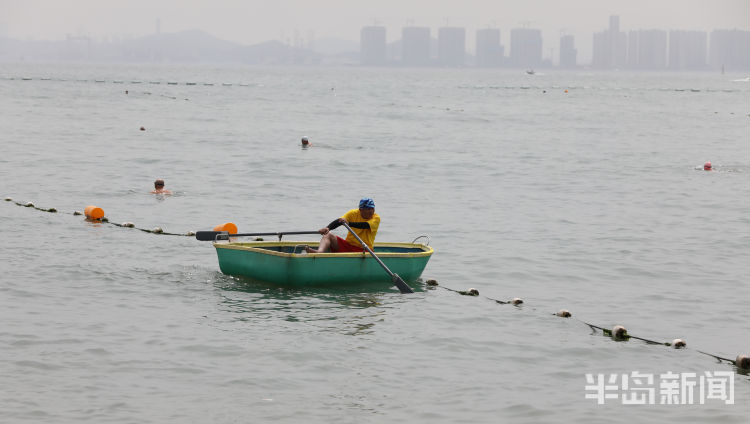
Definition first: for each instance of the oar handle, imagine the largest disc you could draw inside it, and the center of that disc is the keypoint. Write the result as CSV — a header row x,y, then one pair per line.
x,y
223,235
397,281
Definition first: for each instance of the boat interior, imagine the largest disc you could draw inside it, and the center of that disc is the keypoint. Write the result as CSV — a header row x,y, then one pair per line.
x,y
299,247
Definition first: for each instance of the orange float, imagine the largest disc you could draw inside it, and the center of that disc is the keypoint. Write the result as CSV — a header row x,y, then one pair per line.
x,y
228,227
93,212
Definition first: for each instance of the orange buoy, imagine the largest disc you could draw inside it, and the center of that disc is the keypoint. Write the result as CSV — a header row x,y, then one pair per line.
x,y
228,227
93,212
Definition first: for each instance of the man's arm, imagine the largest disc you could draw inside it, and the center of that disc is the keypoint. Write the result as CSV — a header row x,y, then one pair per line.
x,y
362,225
338,221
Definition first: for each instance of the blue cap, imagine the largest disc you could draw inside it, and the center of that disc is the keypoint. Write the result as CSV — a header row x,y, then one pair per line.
x,y
366,202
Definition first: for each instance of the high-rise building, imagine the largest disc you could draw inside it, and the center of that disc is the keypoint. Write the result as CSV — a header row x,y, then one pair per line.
x,y
648,49
610,47
372,45
415,46
452,46
632,60
568,52
729,49
525,47
489,50
687,50
613,41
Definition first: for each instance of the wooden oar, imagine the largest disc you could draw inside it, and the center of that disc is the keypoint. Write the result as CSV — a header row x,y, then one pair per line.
x,y
212,235
397,281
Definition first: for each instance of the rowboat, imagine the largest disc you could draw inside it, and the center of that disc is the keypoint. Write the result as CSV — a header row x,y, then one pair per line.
x,y
287,264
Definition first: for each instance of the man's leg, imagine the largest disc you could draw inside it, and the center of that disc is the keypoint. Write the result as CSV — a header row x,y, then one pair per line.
x,y
327,243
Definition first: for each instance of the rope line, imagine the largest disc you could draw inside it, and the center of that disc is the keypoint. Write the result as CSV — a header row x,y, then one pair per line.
x,y
617,333
105,220
223,85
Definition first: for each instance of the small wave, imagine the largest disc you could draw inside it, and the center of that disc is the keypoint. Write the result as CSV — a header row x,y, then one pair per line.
x,y
45,366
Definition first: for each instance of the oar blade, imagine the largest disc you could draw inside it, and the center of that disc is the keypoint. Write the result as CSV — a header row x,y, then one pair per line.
x,y
402,286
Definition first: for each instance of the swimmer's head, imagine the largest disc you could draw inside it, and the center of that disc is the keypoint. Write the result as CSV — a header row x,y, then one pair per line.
x,y
707,166
305,141
159,184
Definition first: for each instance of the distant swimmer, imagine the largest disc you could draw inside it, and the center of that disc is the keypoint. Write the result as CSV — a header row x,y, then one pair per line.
x,y
159,187
707,166
305,142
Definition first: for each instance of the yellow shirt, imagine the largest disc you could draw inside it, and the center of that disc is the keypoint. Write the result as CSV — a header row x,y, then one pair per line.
x,y
367,236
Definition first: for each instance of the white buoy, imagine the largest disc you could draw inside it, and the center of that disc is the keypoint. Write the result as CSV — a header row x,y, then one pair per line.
x,y
53,210
472,292
29,205
517,301
678,343
8,199
190,233
128,224
157,230
431,282
564,313
619,332
743,361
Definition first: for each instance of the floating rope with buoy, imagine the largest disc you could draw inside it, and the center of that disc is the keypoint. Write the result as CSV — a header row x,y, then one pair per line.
x,y
616,333
96,214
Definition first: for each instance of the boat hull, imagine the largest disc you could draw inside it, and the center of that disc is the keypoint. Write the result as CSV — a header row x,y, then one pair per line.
x,y
283,263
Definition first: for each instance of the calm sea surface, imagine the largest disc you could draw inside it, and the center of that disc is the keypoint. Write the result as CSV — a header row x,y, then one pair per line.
x,y
587,200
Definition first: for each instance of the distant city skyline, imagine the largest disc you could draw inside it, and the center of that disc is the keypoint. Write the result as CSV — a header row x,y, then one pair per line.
x,y
646,50
654,49
251,22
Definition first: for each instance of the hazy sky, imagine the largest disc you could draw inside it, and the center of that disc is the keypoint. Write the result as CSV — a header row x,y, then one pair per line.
x,y
250,21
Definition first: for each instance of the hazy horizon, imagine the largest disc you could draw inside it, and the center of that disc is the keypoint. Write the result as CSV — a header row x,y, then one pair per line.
x,y
293,21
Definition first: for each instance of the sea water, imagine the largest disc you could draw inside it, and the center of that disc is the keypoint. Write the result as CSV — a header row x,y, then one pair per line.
x,y
572,190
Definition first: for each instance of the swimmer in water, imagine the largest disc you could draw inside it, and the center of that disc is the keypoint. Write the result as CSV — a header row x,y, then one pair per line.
x,y
305,142
707,166
159,187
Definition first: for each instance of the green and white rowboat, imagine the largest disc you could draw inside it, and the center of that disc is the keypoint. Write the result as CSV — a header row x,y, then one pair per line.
x,y
286,263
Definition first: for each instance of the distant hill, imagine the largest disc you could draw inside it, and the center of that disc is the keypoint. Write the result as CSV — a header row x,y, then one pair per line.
x,y
276,52
192,46
335,46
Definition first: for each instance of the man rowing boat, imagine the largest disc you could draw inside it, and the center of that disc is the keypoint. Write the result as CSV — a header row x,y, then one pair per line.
x,y
363,221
